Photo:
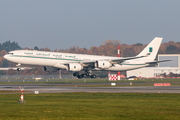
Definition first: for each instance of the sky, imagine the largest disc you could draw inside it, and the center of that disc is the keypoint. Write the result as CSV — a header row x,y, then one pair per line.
x,y
61,24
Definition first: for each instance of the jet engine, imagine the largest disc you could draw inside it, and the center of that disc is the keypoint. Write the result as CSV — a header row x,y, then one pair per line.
x,y
18,69
75,67
103,64
51,69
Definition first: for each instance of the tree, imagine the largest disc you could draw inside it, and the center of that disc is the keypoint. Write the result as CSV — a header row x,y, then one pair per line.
x,y
36,48
111,42
9,46
171,49
139,44
2,53
129,52
45,49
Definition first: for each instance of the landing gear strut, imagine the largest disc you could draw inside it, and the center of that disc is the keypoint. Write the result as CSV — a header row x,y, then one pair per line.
x,y
87,73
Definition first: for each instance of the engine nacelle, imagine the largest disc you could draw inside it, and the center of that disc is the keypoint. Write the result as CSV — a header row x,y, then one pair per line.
x,y
103,64
18,69
50,69
75,67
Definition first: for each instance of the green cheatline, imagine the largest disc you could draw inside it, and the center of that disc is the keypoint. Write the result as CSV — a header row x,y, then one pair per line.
x,y
44,57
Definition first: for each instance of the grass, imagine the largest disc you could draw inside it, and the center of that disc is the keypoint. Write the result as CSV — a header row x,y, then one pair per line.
x,y
90,106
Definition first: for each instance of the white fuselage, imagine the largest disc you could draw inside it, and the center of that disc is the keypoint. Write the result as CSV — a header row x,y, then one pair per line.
x,y
58,59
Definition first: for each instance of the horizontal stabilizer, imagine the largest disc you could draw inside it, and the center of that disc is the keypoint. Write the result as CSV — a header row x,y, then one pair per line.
x,y
155,62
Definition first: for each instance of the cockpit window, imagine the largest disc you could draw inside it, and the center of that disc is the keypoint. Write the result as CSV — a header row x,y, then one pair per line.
x,y
10,53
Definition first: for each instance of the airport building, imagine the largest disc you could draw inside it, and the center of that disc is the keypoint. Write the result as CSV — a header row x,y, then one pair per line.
x,y
162,68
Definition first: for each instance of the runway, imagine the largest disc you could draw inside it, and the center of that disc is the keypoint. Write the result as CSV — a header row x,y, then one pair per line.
x,y
54,88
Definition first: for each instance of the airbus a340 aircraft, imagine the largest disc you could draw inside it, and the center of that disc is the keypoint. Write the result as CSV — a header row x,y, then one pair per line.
x,y
54,61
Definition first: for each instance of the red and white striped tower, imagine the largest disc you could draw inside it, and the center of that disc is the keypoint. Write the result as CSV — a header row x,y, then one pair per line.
x,y
118,73
109,75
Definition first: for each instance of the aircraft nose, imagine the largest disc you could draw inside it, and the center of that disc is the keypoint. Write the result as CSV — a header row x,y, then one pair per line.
x,y
6,56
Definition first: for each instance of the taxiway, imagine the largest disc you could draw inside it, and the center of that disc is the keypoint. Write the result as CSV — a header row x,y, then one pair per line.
x,y
56,88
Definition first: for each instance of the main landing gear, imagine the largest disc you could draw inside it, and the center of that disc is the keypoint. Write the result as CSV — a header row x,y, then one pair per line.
x,y
87,73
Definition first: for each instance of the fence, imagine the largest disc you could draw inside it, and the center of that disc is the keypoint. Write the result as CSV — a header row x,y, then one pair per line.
x,y
35,76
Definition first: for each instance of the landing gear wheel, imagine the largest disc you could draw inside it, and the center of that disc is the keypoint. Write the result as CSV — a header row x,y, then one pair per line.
x,y
75,74
93,76
88,73
79,76
83,75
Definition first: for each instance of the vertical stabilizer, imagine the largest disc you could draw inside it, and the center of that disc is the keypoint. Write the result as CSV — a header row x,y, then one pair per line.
x,y
152,48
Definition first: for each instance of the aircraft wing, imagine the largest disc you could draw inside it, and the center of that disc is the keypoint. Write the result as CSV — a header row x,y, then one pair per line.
x,y
113,61
155,62
87,63
120,60
91,64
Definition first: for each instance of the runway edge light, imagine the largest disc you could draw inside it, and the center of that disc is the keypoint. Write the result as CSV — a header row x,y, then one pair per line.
x,y
36,92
